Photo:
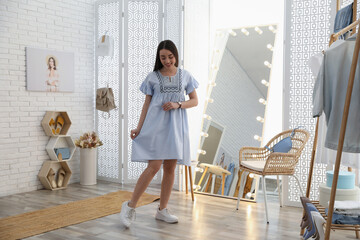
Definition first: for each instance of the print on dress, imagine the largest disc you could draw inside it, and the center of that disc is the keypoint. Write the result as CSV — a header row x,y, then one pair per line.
x,y
170,85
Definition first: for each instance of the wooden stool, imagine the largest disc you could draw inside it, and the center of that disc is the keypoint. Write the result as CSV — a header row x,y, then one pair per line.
x,y
188,168
216,170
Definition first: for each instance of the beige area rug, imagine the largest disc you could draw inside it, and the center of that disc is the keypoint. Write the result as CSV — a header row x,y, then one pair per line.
x,y
48,219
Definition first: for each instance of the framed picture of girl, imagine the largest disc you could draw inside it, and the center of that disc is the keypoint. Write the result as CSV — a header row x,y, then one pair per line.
x,y
49,70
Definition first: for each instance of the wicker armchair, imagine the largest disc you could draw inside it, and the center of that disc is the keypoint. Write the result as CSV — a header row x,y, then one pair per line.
x,y
263,162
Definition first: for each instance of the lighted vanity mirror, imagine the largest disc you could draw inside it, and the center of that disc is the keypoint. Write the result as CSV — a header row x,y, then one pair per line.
x,y
235,110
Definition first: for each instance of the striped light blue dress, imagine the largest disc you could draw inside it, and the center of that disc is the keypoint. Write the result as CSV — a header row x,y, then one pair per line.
x,y
164,134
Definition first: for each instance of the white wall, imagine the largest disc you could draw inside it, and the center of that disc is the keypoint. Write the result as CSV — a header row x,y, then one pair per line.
x,y
196,61
235,106
59,25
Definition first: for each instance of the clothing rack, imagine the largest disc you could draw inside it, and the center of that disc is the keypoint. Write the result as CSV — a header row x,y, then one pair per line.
x,y
321,209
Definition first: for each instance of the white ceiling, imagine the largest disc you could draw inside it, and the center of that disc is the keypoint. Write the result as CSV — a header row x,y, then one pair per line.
x,y
251,51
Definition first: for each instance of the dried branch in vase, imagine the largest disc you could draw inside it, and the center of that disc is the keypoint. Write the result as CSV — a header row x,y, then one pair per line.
x,y
88,140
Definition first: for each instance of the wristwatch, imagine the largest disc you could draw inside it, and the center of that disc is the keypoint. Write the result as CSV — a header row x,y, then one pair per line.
x,y
179,104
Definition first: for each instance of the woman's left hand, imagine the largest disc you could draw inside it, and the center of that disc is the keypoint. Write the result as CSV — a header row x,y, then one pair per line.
x,y
170,105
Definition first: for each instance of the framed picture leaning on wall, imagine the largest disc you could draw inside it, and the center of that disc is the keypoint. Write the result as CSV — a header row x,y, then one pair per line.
x,y
49,70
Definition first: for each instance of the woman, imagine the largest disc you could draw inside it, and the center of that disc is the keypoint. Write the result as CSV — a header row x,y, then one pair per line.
x,y
52,76
162,135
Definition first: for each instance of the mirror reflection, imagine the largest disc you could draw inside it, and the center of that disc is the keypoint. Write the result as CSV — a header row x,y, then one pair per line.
x,y
235,110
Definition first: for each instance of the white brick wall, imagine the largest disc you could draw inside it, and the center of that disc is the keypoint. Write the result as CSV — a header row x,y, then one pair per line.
x,y
64,25
236,106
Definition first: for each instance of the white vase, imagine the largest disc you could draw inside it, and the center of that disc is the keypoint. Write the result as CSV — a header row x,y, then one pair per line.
x,y
88,166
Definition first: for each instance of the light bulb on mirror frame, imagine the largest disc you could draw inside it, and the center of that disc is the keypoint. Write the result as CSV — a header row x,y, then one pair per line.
x,y
251,175
263,101
213,66
270,47
201,151
207,117
212,84
264,82
204,134
232,33
248,195
260,119
258,30
198,169
258,138
272,29
219,34
266,63
244,31
210,100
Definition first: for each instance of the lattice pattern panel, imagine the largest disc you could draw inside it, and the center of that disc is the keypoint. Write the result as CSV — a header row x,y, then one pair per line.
x,y
345,3
108,73
309,34
173,23
143,35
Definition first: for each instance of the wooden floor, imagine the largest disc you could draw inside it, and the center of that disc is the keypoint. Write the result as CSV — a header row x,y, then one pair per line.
x,y
206,218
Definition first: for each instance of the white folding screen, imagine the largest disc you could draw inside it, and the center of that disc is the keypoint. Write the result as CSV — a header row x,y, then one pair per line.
x,y
308,24
174,27
108,71
137,27
143,32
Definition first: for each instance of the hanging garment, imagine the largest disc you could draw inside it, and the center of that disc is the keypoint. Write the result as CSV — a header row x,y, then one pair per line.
x,y
164,134
343,18
330,92
105,46
323,154
316,60
315,63
318,221
327,155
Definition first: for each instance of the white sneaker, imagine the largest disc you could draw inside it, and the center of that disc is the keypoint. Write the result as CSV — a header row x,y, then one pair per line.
x,y
127,214
164,215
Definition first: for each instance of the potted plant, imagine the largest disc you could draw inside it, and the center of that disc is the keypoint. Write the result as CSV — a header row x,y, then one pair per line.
x,y
88,144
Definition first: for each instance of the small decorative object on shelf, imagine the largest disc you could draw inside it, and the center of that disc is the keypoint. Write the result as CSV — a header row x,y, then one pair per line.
x,y
63,146
54,175
56,123
88,140
88,144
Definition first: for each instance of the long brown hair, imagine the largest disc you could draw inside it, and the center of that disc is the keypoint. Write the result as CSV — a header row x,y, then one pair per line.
x,y
49,63
168,45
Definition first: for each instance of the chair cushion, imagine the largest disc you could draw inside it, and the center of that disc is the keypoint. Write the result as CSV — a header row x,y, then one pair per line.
x,y
255,165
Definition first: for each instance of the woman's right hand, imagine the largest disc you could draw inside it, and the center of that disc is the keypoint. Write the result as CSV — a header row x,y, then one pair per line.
x,y
134,133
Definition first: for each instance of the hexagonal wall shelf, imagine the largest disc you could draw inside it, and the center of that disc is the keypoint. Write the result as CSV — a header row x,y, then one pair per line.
x,y
56,166
45,123
60,142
